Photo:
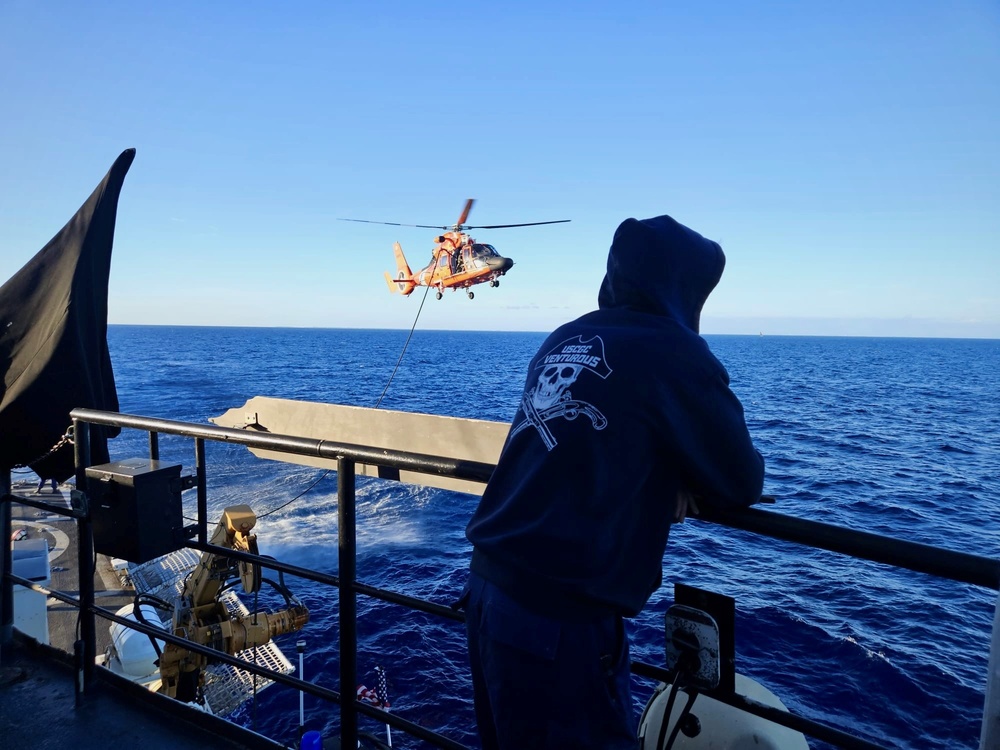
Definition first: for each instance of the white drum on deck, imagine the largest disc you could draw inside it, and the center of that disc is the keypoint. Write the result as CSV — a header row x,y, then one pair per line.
x,y
722,726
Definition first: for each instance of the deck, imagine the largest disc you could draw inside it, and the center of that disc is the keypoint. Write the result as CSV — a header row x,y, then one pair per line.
x,y
38,710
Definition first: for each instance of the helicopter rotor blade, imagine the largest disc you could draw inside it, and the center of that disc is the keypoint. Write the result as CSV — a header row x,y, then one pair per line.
x,y
397,224
459,226
529,224
465,214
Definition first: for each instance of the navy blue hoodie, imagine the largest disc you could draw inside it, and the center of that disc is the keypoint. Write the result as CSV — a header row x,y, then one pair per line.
x,y
622,408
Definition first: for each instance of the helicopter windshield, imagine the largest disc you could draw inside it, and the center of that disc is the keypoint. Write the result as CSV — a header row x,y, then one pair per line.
x,y
479,254
480,250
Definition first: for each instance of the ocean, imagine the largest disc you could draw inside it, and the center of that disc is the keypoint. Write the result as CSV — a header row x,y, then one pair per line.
x,y
893,436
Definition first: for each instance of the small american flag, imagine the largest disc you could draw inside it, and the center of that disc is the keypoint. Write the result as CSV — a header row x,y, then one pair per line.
x,y
377,697
381,692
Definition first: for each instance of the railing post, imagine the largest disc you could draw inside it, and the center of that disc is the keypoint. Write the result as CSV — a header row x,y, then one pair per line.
x,y
85,555
201,473
6,564
347,571
990,736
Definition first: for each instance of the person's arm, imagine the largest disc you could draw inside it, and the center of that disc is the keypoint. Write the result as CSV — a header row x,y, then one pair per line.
x,y
719,464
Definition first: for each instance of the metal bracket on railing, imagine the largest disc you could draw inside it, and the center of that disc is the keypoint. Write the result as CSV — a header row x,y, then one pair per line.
x,y
79,502
185,482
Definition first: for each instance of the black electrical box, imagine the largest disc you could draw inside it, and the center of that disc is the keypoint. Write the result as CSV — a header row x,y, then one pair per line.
x,y
135,508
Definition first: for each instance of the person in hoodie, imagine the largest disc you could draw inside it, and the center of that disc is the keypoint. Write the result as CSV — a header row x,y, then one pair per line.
x,y
626,422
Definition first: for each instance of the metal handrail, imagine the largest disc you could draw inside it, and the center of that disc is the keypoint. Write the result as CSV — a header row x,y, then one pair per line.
x,y
954,565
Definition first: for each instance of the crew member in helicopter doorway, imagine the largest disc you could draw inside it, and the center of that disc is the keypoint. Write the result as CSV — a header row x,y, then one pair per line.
x,y
626,422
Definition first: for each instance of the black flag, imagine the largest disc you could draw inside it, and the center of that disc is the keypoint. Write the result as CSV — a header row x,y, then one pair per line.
x,y
54,338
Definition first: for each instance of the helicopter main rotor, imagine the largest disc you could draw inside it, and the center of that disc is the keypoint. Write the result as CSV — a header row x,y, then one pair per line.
x,y
460,225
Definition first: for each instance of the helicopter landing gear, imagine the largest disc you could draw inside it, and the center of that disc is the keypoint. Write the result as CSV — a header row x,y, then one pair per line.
x,y
471,295
494,282
439,295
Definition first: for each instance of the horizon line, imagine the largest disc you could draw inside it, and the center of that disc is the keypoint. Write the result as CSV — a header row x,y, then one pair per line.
x,y
759,334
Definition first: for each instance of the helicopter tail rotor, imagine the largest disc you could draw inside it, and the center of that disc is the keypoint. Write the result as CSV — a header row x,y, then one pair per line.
x,y
403,283
399,285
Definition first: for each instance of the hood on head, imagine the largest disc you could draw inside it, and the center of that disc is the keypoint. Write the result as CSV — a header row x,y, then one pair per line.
x,y
660,266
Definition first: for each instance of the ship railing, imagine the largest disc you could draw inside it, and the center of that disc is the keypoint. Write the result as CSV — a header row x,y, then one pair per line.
x,y
935,561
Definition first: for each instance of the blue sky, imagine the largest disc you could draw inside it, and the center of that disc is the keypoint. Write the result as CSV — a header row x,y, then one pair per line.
x,y
845,154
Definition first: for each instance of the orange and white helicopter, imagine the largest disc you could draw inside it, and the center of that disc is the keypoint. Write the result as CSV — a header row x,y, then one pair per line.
x,y
457,260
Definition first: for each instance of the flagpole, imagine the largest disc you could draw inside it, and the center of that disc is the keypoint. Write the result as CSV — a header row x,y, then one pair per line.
x,y
301,647
383,694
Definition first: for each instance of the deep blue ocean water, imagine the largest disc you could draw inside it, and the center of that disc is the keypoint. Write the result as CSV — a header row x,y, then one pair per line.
x,y
893,436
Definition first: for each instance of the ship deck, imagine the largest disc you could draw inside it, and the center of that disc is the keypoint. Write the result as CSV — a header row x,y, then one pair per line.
x,y
38,710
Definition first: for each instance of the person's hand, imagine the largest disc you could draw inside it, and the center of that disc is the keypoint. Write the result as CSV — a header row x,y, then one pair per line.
x,y
685,505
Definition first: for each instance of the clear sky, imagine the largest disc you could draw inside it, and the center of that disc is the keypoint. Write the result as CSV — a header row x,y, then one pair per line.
x,y
845,154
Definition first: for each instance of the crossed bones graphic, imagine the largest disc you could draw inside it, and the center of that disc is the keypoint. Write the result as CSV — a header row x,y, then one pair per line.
x,y
567,407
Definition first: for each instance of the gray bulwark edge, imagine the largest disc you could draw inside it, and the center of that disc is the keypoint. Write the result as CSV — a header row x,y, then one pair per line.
x,y
465,439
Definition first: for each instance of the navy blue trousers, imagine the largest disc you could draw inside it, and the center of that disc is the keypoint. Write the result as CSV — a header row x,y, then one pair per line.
x,y
542,682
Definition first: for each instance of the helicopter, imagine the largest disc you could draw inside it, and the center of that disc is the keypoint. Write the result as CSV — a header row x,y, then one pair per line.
x,y
457,260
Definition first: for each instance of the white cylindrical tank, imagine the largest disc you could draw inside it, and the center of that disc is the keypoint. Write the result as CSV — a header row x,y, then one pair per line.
x,y
132,652
722,726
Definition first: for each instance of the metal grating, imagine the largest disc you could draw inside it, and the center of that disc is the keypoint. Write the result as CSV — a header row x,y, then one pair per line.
x,y
226,687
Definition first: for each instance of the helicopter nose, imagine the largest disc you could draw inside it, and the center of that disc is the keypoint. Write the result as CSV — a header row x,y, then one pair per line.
x,y
500,264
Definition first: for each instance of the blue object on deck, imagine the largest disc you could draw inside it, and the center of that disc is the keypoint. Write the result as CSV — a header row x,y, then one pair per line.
x,y
312,740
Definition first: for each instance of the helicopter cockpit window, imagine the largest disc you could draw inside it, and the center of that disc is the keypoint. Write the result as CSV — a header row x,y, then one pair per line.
x,y
480,253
